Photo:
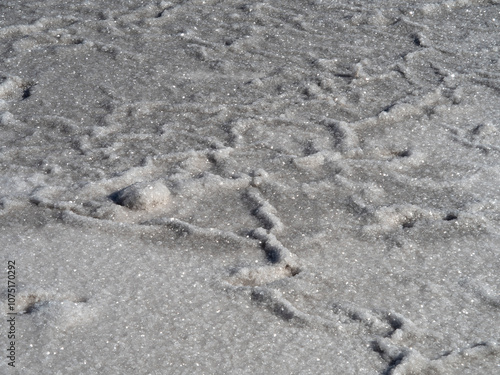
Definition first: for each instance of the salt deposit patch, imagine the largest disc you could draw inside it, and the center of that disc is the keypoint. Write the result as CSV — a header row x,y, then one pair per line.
x,y
280,187
26,302
13,87
61,315
255,276
143,195
46,309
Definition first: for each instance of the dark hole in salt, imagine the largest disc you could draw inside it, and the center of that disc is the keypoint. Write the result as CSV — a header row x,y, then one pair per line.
x,y
403,154
408,224
27,93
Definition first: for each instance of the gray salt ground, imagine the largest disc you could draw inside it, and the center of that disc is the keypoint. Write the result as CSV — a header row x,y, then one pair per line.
x,y
230,187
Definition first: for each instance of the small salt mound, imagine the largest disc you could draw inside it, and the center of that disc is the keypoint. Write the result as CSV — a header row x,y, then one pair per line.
x,y
10,87
255,276
143,195
62,315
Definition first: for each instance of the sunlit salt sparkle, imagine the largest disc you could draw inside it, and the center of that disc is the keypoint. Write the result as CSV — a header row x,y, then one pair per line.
x,y
361,167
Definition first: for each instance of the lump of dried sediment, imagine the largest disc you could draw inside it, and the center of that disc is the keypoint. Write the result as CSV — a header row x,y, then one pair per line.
x,y
143,195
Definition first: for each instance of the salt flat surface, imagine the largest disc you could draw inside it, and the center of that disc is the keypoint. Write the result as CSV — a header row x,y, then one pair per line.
x,y
231,187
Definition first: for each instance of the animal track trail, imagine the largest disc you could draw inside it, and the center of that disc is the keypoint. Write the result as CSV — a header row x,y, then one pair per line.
x,y
141,207
283,263
482,291
405,347
408,361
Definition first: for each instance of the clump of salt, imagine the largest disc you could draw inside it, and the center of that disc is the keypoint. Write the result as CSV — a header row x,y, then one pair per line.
x,y
143,195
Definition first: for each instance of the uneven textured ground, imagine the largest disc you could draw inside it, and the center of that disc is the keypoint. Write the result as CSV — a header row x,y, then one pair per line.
x,y
230,187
